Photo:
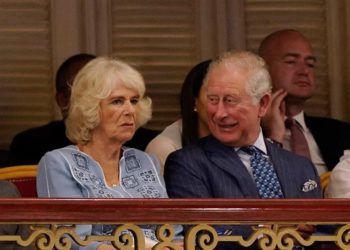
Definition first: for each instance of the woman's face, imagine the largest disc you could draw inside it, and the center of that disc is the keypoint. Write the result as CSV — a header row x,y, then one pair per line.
x,y
118,115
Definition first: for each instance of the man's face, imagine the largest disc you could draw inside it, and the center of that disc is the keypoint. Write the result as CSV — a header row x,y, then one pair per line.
x,y
291,66
233,117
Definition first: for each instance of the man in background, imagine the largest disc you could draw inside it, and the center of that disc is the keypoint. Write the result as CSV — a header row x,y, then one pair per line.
x,y
291,63
29,146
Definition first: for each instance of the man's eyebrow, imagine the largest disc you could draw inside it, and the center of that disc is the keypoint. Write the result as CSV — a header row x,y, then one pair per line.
x,y
296,55
291,55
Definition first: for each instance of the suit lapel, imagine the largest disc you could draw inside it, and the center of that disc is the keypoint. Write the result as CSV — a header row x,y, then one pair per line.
x,y
282,169
226,158
317,129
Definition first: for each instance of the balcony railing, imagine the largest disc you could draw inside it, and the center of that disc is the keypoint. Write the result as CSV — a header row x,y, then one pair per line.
x,y
52,221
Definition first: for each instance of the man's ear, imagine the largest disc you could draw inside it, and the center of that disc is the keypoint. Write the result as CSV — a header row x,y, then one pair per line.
x,y
61,99
264,104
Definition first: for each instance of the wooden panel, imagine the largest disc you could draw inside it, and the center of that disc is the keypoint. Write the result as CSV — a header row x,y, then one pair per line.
x,y
25,66
158,38
173,210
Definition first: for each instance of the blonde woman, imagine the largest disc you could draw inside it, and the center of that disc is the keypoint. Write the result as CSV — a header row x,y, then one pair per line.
x,y
107,104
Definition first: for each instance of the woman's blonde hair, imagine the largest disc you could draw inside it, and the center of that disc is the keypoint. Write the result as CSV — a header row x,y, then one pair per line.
x,y
95,82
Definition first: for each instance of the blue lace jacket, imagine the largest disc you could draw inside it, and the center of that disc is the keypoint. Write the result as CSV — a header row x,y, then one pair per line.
x,y
70,173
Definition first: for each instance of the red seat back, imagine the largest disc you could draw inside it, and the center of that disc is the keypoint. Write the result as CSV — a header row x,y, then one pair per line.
x,y
24,177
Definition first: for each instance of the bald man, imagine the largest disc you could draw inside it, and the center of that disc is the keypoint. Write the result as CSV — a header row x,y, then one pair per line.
x,y
291,63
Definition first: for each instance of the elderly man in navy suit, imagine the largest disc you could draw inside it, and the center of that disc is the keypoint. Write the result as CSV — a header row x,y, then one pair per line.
x,y
234,161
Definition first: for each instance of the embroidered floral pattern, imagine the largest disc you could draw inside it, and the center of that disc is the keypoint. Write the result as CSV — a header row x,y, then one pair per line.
x,y
147,176
81,161
82,173
130,182
149,192
131,162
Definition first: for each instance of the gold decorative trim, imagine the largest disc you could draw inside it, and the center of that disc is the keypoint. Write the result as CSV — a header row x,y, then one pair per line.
x,y
204,236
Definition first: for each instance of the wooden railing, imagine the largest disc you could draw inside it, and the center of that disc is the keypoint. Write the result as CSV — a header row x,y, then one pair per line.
x,y
201,214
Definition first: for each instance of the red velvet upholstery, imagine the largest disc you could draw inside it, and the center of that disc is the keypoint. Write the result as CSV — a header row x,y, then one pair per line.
x,y
26,186
24,177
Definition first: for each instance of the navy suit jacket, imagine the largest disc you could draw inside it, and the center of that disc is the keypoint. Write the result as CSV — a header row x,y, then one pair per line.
x,y
332,137
210,169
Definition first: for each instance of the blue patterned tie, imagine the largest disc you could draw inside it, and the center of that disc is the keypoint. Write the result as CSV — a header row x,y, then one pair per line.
x,y
264,174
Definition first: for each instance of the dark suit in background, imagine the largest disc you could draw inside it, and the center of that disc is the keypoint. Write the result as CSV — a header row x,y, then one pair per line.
x,y
332,137
29,146
5,158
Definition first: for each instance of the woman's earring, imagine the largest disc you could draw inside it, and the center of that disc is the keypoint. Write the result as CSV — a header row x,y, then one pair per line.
x,y
195,109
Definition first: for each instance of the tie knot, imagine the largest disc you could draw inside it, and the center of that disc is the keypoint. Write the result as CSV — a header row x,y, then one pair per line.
x,y
250,150
289,122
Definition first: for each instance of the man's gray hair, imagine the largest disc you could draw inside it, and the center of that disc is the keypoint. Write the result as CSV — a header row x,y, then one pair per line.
x,y
258,77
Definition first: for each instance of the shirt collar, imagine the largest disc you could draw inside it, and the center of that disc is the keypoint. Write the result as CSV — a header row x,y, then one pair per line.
x,y
300,118
259,143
